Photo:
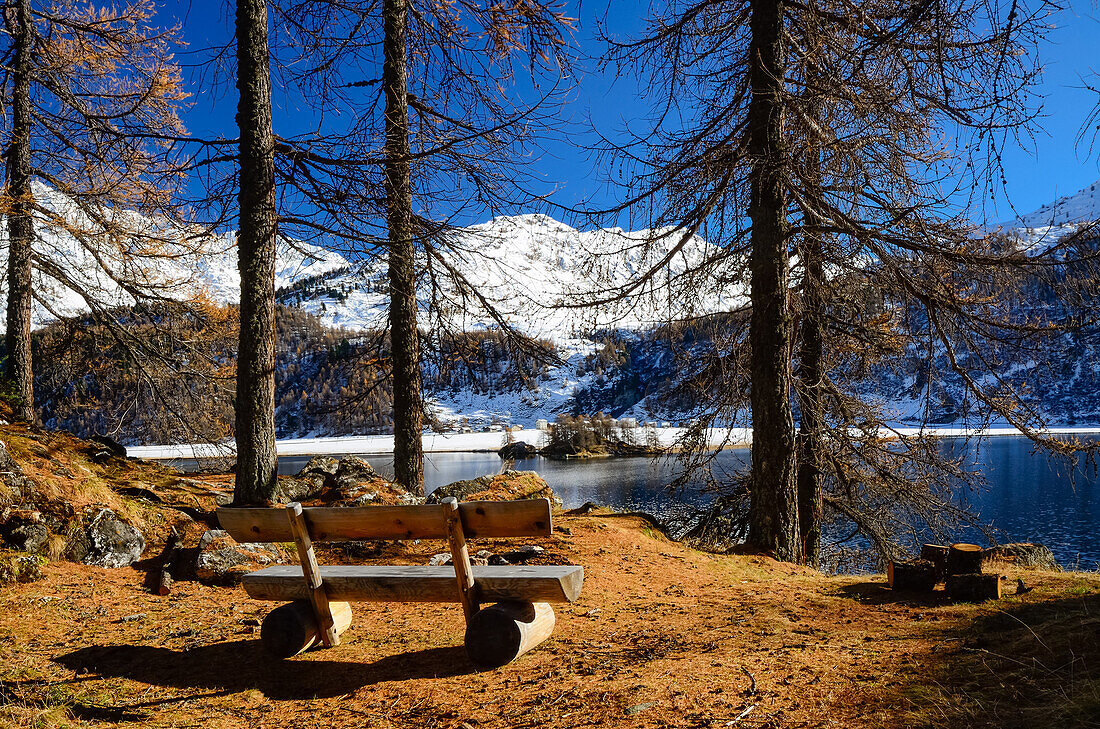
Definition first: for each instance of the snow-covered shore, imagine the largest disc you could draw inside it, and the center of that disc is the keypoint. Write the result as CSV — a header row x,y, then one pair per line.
x,y
492,441
433,443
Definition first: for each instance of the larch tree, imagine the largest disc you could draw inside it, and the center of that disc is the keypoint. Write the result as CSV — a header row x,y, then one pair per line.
x,y
256,238
408,406
91,98
833,154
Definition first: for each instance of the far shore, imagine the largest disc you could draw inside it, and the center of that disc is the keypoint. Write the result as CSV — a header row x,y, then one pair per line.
x,y
492,441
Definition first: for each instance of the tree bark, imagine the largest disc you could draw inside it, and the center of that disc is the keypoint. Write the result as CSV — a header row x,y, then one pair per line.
x,y
811,373
18,368
773,511
255,404
408,449
811,400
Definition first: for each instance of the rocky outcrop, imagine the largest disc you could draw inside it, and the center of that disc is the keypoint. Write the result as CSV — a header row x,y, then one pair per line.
x,y
1023,554
507,486
349,481
298,488
222,561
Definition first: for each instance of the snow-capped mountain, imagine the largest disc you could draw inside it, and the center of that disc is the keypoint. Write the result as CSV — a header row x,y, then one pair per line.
x,y
173,263
1060,217
537,273
525,267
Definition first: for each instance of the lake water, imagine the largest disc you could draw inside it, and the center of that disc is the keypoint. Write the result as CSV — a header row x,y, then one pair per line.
x,y
1029,496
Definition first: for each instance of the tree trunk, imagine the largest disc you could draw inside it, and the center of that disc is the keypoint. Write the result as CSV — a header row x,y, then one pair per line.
x,y
18,367
408,449
255,405
811,399
773,513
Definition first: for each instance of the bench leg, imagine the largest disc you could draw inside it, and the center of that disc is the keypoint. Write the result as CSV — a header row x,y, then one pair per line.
x,y
292,628
501,633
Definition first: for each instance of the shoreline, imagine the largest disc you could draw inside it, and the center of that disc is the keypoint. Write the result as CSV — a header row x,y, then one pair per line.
x,y
717,438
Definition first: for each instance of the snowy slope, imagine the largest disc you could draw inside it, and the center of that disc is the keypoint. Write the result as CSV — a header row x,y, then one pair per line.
x,y
183,267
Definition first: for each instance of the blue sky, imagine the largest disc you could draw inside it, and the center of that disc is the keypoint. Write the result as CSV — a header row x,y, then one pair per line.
x,y
1054,163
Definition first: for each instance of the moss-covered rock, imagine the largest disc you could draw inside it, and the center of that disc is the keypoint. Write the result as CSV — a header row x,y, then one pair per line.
x,y
19,567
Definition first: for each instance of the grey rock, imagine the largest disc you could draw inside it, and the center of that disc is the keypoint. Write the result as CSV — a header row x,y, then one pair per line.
x,y
298,488
354,467
113,542
28,537
221,561
210,536
440,559
11,473
112,446
218,566
523,554
1024,554
459,489
324,465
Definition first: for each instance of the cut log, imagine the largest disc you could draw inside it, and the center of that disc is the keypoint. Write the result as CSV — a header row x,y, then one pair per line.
x,y
292,628
973,587
937,555
917,574
964,559
501,633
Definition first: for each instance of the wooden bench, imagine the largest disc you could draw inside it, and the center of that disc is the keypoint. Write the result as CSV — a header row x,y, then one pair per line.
x,y
521,619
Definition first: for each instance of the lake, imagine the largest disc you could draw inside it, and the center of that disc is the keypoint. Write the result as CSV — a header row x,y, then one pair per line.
x,y
1029,498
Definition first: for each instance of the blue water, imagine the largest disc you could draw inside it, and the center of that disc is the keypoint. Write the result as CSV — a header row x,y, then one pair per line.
x,y
1029,497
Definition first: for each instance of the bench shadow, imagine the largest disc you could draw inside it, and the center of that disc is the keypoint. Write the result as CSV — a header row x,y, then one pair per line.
x,y
243,665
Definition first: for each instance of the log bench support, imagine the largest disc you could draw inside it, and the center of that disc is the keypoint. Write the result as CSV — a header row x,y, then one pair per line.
x,y
319,610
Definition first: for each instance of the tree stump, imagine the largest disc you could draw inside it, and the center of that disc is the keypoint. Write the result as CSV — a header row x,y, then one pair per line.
x,y
973,587
291,628
918,575
501,633
159,580
964,559
937,555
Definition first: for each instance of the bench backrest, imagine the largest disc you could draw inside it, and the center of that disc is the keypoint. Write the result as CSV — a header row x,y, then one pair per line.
x,y
528,518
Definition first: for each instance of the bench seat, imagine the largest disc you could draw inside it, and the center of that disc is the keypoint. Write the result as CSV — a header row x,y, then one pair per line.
x,y
389,583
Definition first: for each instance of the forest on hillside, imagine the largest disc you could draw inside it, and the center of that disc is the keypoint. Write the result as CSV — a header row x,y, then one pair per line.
x,y
167,374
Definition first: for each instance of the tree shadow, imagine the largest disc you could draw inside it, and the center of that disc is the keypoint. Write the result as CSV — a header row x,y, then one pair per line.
x,y
1015,666
243,665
